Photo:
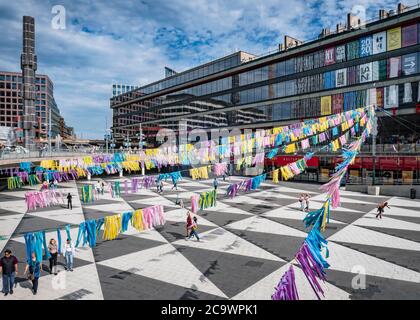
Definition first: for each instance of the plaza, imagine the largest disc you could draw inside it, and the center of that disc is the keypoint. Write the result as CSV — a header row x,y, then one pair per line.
x,y
246,244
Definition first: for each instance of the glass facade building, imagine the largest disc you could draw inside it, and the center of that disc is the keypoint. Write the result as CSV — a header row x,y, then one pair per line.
x,y
374,65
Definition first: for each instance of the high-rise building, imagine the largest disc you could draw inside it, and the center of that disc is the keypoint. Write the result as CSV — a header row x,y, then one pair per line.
x,y
28,62
11,105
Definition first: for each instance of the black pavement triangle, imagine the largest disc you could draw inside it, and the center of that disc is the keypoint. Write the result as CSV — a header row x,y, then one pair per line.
x,y
282,246
19,251
330,229
376,200
9,197
173,231
362,207
406,218
346,216
404,234
377,288
124,244
99,202
252,208
4,212
222,218
93,214
127,285
231,273
407,207
32,223
134,196
405,258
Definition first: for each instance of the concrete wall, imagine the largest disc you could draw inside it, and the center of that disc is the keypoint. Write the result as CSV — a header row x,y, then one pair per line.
x,y
391,190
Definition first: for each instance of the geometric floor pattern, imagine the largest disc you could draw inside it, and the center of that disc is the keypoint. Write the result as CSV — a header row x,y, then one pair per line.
x,y
247,243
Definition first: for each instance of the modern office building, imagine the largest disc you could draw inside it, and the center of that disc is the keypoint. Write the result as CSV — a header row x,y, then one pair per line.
x,y
356,65
11,105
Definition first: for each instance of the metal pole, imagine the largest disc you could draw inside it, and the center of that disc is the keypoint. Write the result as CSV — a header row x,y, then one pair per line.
x,y
106,134
49,129
141,138
374,134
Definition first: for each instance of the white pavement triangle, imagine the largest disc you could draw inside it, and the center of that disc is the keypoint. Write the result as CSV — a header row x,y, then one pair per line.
x,y
165,263
344,259
369,220
8,226
221,240
263,289
355,234
292,213
258,224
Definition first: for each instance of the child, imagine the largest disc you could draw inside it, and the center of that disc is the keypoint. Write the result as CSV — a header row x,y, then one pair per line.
x,y
381,209
193,231
302,204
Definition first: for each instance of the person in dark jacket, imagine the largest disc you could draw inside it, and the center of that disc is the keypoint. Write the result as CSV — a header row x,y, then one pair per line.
x,y
69,204
9,270
34,267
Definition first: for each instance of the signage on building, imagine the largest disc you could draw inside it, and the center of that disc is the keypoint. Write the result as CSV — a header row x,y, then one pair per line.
x,y
379,42
329,56
409,64
366,46
365,72
394,38
340,53
391,97
341,77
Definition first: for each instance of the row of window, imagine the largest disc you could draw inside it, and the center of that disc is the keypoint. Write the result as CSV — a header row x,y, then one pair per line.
x,y
18,79
203,71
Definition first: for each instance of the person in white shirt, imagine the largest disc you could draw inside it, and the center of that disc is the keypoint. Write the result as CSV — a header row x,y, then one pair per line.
x,y
68,253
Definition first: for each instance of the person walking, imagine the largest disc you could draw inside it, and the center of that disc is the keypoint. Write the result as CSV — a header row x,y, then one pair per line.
x,y
381,209
307,202
34,267
9,270
215,183
224,177
69,204
175,186
301,201
102,187
161,186
189,224
68,253
193,231
53,249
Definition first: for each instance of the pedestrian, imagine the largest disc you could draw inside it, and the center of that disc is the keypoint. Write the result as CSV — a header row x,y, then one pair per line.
x,y
9,270
69,204
157,186
44,185
55,185
161,186
224,177
189,224
52,248
102,187
193,231
215,183
175,186
381,209
35,268
68,253
302,204
98,187
307,201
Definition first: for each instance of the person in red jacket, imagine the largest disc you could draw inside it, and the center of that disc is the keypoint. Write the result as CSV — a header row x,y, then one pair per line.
x,y
189,224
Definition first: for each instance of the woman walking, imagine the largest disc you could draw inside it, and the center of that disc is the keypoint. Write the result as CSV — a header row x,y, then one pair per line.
x,y
307,201
68,253
189,224
34,267
52,248
381,209
302,204
194,230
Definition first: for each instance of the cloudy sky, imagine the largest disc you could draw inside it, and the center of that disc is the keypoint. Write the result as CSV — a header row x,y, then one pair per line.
x,y
131,41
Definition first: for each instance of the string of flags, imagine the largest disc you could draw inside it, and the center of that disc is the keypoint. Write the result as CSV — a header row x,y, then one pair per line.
x,y
309,256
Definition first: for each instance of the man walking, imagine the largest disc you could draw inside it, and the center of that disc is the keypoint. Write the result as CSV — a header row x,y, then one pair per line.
x,y
9,270
69,204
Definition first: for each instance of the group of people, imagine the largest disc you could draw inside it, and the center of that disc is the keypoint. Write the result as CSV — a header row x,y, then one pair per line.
x,y
304,202
49,185
100,187
9,266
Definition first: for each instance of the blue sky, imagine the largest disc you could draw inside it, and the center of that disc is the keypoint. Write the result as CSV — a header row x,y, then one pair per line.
x,y
131,41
